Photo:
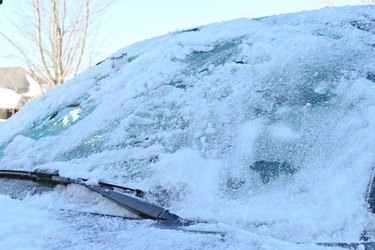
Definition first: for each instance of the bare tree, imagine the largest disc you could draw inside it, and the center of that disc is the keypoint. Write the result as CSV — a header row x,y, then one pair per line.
x,y
58,33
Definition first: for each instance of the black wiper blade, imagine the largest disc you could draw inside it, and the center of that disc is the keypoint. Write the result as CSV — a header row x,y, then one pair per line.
x,y
19,174
53,178
137,206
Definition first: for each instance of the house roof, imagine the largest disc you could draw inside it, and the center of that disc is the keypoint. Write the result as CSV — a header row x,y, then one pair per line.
x,y
15,79
10,99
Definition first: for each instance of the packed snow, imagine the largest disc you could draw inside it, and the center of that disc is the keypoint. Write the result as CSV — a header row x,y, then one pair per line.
x,y
264,127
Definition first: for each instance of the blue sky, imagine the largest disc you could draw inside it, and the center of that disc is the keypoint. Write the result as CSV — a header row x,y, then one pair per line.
x,y
130,21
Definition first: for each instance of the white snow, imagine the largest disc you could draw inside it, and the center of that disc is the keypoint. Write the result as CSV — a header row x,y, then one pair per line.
x,y
264,126
9,99
283,132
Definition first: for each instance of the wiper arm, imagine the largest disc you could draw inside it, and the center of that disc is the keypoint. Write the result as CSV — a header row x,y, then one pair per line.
x,y
137,206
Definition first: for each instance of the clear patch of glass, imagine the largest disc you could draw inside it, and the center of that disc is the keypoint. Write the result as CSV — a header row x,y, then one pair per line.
x,y
120,60
219,55
270,170
327,33
92,145
59,121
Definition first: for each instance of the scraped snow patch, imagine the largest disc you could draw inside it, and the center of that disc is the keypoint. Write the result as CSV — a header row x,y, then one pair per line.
x,y
283,132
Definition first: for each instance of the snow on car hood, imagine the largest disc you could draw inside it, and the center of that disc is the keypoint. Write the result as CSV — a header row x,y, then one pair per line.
x,y
264,124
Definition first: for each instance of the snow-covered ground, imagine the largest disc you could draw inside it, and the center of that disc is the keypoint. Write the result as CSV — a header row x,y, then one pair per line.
x,y
265,126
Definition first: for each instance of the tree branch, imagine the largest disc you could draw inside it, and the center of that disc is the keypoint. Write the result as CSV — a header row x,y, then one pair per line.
x,y
39,42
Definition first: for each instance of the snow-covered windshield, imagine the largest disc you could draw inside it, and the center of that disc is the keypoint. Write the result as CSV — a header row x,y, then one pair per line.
x,y
256,122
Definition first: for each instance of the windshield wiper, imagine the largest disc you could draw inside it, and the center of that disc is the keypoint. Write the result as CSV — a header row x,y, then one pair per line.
x,y
145,210
137,206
